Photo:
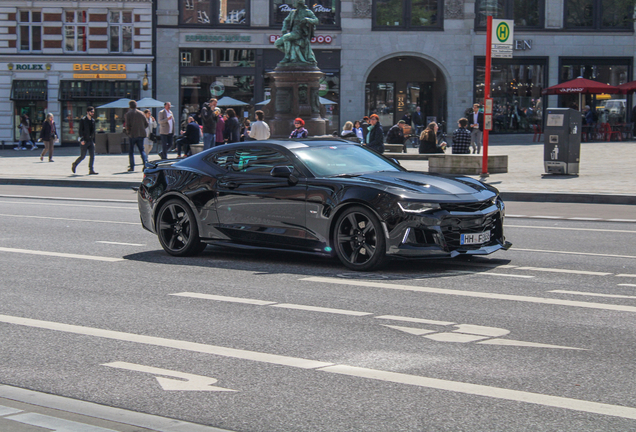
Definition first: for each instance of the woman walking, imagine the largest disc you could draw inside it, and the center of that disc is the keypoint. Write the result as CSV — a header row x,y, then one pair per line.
x,y
375,137
48,134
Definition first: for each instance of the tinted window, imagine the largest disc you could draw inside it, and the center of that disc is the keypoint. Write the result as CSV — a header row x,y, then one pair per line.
x,y
222,160
338,159
258,161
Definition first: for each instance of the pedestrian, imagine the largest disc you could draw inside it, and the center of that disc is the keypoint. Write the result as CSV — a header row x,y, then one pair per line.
x,y
365,128
192,135
25,134
428,140
151,137
136,124
348,133
166,129
209,119
396,133
299,129
462,138
260,129
48,135
476,128
87,141
220,128
245,130
417,120
357,128
375,137
232,131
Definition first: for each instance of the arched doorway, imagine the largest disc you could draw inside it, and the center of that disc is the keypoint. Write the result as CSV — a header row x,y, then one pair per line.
x,y
398,85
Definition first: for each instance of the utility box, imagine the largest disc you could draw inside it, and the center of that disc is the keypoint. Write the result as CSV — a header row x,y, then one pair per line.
x,y
562,141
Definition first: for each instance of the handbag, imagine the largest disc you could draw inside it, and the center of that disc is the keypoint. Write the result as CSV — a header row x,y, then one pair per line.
x,y
152,137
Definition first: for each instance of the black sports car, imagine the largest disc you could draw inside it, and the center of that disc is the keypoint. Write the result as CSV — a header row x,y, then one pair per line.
x,y
326,197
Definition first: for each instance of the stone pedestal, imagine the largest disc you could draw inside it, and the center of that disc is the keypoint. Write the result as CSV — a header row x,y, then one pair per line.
x,y
295,94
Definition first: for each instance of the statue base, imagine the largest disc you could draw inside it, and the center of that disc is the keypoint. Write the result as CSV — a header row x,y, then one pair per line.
x,y
295,94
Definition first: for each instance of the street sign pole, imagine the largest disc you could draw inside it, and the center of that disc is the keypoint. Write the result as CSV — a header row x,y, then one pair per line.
x,y
484,163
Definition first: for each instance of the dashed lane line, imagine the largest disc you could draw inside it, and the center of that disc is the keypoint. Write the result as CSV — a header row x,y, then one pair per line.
x,y
628,285
626,275
61,255
573,253
121,201
475,294
578,219
555,270
69,205
570,229
591,294
119,243
69,219
352,371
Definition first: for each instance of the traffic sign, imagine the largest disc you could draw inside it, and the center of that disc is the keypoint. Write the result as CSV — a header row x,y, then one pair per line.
x,y
501,38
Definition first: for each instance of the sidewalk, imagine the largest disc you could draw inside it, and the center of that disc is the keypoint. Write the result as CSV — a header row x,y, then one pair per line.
x,y
606,174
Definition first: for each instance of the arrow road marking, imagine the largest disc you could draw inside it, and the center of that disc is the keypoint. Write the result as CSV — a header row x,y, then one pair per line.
x,y
191,383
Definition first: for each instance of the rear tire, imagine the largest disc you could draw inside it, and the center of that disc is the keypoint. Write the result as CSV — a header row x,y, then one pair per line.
x,y
359,239
178,230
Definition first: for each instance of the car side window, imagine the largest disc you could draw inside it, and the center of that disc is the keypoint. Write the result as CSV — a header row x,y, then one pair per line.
x,y
258,161
222,160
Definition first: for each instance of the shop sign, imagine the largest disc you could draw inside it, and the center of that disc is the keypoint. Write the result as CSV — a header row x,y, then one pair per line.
x,y
320,39
27,67
99,76
217,38
94,67
523,44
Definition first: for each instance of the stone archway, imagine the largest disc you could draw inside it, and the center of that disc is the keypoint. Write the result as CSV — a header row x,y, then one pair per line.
x,y
399,84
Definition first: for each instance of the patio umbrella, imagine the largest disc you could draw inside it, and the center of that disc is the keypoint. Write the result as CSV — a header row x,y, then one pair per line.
x,y
628,87
227,101
149,103
120,103
581,86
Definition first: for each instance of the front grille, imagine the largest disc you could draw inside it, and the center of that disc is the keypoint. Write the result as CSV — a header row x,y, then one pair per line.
x,y
466,207
453,226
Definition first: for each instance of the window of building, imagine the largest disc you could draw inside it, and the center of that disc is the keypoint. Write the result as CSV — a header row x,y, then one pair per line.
x,y
599,14
196,89
516,92
120,30
407,14
75,31
217,57
30,30
380,100
327,11
215,12
525,13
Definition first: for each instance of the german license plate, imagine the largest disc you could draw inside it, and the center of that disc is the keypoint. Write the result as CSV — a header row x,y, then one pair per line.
x,y
477,238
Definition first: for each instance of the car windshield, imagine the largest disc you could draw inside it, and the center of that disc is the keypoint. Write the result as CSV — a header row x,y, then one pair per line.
x,y
342,160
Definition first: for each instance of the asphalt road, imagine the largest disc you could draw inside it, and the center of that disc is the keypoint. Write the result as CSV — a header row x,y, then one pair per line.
x,y
540,337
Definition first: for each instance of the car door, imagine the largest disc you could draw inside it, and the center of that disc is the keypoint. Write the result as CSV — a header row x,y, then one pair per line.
x,y
258,209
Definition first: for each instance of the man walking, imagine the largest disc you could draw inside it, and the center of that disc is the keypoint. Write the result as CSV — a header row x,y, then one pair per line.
x,y
87,141
166,129
136,124
476,120
209,119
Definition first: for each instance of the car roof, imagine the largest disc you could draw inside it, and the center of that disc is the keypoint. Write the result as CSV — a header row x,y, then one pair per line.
x,y
291,144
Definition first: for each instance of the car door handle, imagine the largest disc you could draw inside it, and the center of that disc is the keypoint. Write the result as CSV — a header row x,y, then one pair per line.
x,y
229,184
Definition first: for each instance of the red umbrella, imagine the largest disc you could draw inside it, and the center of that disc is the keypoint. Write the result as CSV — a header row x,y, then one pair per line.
x,y
628,88
581,86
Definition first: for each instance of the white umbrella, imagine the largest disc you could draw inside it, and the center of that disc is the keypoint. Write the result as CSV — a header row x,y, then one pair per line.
x,y
121,103
322,100
149,103
227,101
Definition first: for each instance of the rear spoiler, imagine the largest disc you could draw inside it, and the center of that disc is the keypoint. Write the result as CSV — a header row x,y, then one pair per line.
x,y
160,162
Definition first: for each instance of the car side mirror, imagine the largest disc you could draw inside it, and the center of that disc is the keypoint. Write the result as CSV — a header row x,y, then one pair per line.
x,y
281,171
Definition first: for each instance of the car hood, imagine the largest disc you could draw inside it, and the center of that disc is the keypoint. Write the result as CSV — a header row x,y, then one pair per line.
x,y
419,185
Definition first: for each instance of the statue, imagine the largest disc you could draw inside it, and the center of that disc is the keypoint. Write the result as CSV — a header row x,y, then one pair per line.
x,y
295,42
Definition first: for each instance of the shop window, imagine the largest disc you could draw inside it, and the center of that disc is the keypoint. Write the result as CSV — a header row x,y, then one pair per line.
x,y
380,100
525,13
215,12
599,14
516,87
75,31
327,11
197,89
217,57
120,30
29,90
407,14
30,30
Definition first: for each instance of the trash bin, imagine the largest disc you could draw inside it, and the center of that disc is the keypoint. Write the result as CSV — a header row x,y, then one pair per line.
x,y
562,141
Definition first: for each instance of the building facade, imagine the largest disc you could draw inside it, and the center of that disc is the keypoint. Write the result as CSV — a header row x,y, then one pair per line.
x,y
60,57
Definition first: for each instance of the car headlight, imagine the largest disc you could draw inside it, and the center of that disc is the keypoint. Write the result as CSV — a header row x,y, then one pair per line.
x,y
417,207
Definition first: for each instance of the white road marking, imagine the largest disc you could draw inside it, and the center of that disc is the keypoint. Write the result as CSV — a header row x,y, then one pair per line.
x,y
70,219
481,330
512,342
321,309
593,294
5,410
70,199
573,253
61,255
69,205
414,320
555,270
410,330
629,285
568,218
481,390
584,219
622,220
455,337
374,374
476,294
503,275
626,275
118,243
192,382
570,229
55,424
224,298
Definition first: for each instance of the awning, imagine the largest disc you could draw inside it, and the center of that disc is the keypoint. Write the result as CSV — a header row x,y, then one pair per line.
x,y
29,90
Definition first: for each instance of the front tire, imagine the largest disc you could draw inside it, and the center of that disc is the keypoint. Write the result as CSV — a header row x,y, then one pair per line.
x,y
359,239
177,229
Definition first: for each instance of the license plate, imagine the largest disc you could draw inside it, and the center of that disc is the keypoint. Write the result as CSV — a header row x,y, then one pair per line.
x,y
477,238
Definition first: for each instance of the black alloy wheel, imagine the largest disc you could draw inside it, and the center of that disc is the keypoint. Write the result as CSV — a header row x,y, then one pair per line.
x,y
359,239
177,229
